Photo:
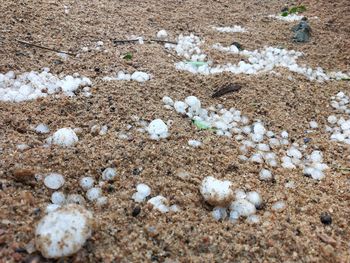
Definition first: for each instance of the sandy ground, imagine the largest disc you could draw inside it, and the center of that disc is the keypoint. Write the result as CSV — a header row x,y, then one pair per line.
x,y
192,235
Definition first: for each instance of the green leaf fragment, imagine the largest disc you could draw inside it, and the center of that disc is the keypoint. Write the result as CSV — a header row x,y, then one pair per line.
x,y
202,125
127,56
196,63
294,10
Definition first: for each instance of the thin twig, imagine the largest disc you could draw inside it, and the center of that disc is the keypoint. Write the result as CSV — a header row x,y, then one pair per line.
x,y
162,41
121,41
46,48
116,42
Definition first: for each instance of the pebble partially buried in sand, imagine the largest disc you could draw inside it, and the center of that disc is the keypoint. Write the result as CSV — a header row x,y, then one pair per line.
x,y
63,232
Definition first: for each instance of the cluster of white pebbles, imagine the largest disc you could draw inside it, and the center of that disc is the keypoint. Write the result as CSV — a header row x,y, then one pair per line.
x,y
137,76
55,181
67,224
288,18
33,85
227,29
339,124
158,202
257,144
230,203
264,60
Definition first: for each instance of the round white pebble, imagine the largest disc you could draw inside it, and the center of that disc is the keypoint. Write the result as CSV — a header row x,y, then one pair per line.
x,y
194,143
216,192
51,207
243,207
168,101
75,199
219,213
157,129
101,201
63,232
42,128
254,198
93,193
278,206
109,174
64,137
86,182
143,189
265,175
58,198
54,181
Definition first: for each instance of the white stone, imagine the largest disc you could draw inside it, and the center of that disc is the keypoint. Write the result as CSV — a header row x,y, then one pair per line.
x,y
258,128
254,198
162,34
313,125
253,219
93,193
240,194
109,174
64,137
219,213
243,207
63,232
51,207
194,143
157,129
180,107
140,76
265,175
332,119
216,192
75,199
168,101
278,206
58,198
42,128
86,182
159,203
54,181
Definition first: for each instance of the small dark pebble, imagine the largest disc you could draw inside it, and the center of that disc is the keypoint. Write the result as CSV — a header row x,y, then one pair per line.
x,y
37,211
57,62
302,32
136,211
20,250
154,258
136,171
326,218
238,45
307,140
284,9
260,206
110,189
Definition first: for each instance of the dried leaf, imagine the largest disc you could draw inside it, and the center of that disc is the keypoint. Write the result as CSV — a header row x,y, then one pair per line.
x,y
226,89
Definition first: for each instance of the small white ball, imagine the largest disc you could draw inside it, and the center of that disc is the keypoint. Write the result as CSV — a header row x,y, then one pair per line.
x,y
58,198
54,181
94,193
109,174
86,182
